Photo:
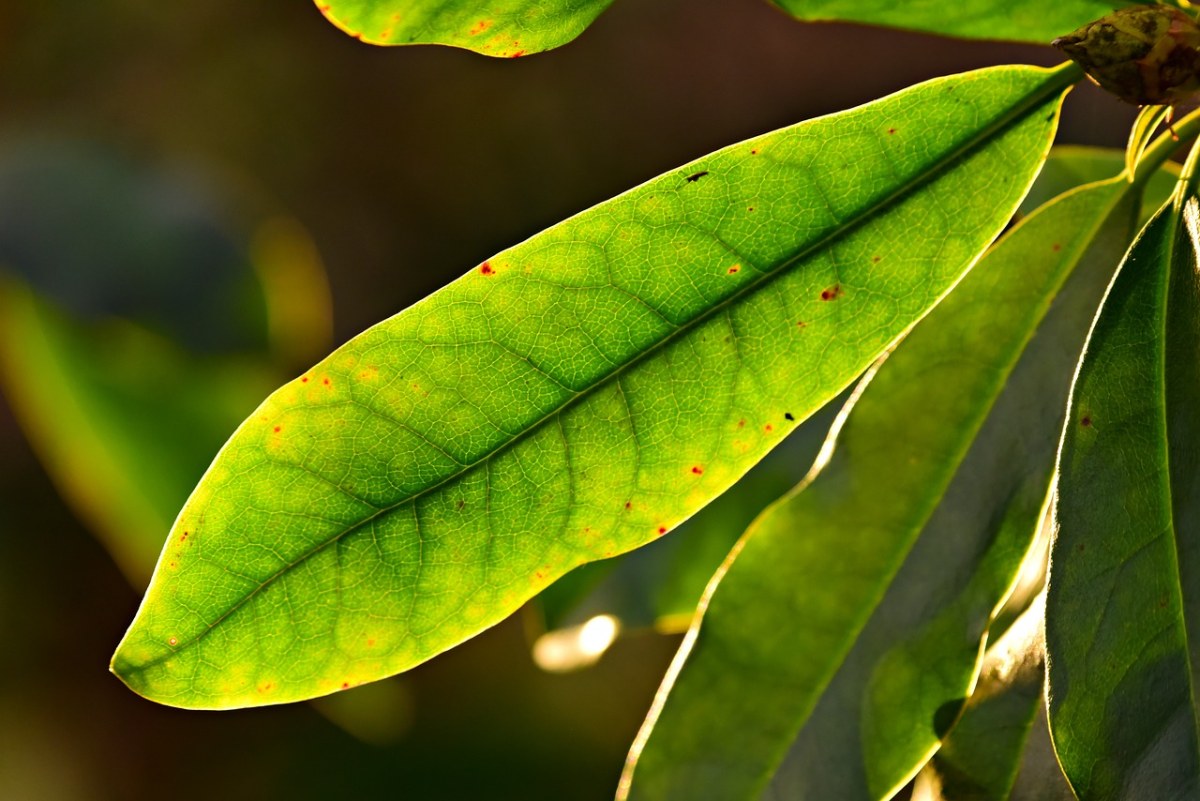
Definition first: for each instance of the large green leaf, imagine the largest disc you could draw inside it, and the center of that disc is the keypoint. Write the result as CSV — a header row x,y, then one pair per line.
x,y
1036,21
838,647
507,29
1124,589
575,396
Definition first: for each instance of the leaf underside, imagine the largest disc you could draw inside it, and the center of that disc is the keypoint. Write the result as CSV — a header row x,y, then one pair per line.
x,y
575,396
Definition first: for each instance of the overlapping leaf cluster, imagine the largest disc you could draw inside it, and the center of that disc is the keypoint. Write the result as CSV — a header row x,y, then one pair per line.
x,y
583,393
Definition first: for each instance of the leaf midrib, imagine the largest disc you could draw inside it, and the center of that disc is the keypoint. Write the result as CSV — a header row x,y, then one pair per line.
x,y
1057,80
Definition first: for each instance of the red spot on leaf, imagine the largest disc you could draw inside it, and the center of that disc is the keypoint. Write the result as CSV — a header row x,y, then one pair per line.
x,y
754,152
183,537
486,269
697,469
304,380
345,685
768,428
832,293
741,423
662,529
277,429
517,54
325,382
370,643
734,269
480,27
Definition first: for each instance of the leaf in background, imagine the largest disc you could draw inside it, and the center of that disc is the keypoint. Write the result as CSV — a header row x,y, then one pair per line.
x,y
1147,122
1034,21
576,396
997,749
132,345
1072,165
1122,607
123,419
503,29
838,646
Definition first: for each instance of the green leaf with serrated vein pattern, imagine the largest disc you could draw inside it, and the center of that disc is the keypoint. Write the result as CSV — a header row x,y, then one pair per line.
x,y
506,29
1036,21
839,645
576,396
1123,605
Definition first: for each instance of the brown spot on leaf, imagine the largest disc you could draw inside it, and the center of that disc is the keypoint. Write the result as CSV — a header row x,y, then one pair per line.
x,y
832,293
486,269
788,416
1086,421
1057,246
697,470
172,642
891,131
628,505
875,259
768,428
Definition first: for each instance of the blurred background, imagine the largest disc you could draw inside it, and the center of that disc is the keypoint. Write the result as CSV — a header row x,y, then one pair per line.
x,y
199,199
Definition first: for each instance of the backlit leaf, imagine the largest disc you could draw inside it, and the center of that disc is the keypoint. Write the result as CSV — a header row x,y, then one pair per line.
x,y
506,29
1036,21
576,396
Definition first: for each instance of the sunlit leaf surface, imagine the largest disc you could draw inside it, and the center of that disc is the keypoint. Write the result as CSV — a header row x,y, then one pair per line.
x,y
576,396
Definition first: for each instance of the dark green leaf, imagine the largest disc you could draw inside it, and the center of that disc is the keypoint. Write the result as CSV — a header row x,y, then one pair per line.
x,y
842,640
576,396
1122,609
